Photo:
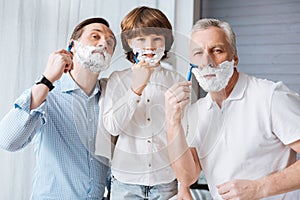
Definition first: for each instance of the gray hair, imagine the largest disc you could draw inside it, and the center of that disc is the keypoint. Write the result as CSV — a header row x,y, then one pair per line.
x,y
205,23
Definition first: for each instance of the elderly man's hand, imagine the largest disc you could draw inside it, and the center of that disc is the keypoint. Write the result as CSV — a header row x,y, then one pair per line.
x,y
240,190
176,99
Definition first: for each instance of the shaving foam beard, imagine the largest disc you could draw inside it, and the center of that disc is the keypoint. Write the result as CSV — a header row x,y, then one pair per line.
x,y
95,62
158,54
222,75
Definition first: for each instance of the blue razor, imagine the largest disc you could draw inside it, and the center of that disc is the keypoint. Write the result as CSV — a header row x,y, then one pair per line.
x,y
70,46
190,71
135,58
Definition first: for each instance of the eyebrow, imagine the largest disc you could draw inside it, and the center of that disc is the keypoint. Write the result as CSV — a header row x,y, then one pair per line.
x,y
213,47
197,49
218,46
101,31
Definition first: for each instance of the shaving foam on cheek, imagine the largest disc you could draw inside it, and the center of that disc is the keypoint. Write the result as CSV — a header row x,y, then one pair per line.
x,y
221,77
152,61
96,62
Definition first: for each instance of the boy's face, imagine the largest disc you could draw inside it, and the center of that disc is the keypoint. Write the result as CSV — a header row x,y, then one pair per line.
x,y
150,48
147,42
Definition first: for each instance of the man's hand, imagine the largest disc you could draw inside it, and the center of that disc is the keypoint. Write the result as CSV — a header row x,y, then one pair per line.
x,y
240,190
59,62
141,76
176,99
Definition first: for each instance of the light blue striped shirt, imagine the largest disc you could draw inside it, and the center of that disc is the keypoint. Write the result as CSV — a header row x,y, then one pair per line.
x,y
63,131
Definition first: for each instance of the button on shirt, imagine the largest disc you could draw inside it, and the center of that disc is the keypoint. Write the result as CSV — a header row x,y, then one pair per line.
x,y
63,130
246,138
140,156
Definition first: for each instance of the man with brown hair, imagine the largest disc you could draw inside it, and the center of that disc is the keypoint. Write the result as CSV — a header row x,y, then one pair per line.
x,y
60,115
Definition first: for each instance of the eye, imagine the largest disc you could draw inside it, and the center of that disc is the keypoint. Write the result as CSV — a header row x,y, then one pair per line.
x,y
157,39
217,51
95,36
197,53
110,43
140,39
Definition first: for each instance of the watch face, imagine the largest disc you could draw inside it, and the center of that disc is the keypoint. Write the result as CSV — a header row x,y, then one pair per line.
x,y
45,81
39,80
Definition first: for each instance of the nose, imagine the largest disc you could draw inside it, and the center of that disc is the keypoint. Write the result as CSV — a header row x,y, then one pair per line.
x,y
207,60
102,43
149,44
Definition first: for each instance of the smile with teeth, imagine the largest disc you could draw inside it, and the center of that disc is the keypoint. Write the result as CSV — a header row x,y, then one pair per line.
x,y
151,55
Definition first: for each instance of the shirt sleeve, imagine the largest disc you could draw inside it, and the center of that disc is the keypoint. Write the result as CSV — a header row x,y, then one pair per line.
x,y
19,125
285,114
119,105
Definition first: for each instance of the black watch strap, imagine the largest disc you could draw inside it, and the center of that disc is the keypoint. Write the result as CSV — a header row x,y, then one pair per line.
x,y
45,81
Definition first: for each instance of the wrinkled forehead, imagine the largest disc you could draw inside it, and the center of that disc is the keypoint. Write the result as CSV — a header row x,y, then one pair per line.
x,y
210,37
98,27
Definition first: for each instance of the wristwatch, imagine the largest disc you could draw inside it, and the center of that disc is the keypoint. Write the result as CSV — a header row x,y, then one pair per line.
x,y
45,81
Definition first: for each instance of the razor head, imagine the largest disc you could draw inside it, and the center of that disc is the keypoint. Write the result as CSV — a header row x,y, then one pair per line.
x,y
189,77
135,57
70,46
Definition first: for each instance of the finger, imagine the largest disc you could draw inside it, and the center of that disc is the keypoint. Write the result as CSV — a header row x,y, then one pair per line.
x,y
185,83
182,104
182,95
227,196
64,52
174,97
180,90
68,63
223,188
137,65
69,68
61,51
179,84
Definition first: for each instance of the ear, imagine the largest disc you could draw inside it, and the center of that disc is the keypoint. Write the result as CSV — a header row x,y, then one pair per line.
x,y
236,59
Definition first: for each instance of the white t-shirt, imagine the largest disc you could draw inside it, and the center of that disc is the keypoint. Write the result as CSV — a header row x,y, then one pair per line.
x,y
247,138
141,154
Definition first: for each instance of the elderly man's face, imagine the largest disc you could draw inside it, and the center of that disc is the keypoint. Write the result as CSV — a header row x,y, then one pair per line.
x,y
209,47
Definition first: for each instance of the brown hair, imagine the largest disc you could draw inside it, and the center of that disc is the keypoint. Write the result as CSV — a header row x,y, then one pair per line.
x,y
77,32
145,21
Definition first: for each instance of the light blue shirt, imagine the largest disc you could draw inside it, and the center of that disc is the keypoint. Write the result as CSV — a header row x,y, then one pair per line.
x,y
63,130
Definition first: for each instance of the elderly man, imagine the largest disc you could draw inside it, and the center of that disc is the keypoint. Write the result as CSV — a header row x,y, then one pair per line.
x,y
244,134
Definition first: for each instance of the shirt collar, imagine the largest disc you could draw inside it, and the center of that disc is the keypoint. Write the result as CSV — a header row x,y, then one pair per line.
x,y
68,84
236,94
158,68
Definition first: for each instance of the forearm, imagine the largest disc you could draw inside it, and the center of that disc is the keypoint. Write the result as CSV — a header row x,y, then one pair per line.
x,y
282,181
38,95
184,163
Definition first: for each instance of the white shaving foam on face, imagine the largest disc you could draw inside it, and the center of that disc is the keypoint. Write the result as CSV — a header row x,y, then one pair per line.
x,y
218,76
93,58
152,61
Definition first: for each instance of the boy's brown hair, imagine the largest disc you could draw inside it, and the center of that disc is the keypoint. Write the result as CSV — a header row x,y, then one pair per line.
x,y
145,21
